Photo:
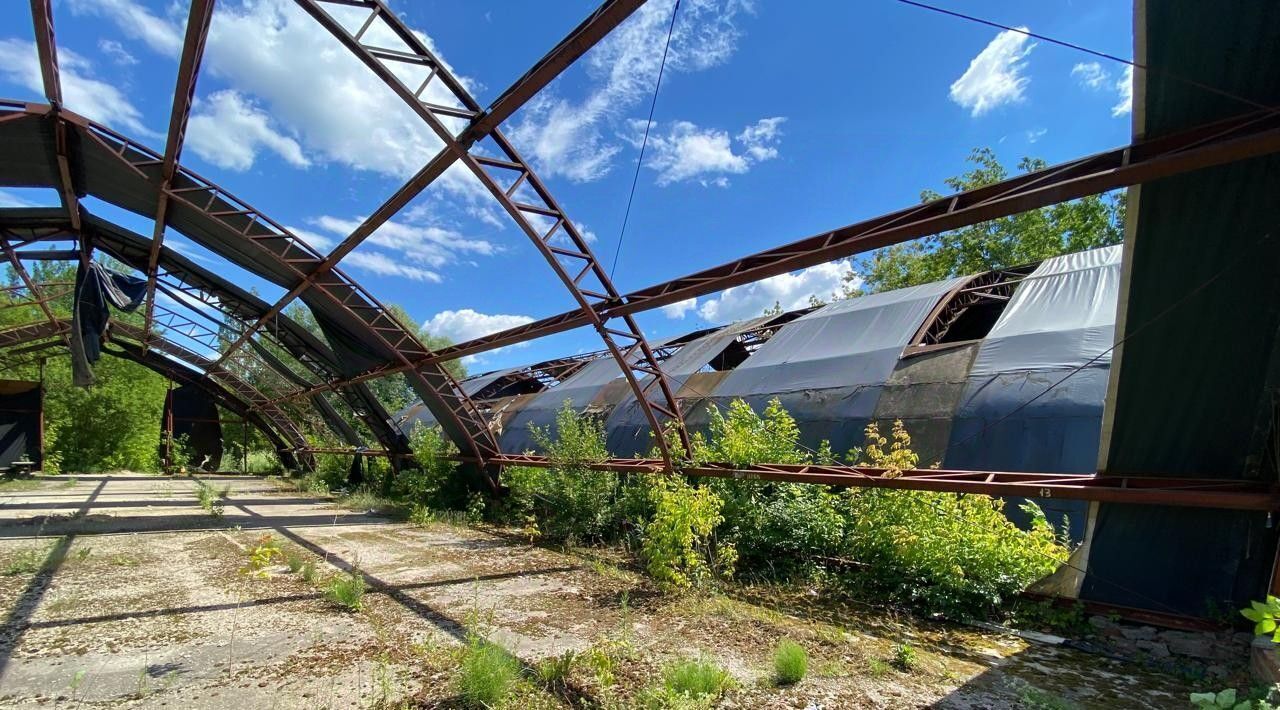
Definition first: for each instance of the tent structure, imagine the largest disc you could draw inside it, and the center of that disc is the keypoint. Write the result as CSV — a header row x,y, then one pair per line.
x,y
1006,374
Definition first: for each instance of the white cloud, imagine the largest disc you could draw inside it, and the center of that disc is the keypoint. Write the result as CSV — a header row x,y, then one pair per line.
x,y
82,94
678,309
136,21
384,265
275,55
466,324
1124,88
228,130
116,52
567,137
792,291
9,199
1091,75
398,248
995,77
1035,134
686,151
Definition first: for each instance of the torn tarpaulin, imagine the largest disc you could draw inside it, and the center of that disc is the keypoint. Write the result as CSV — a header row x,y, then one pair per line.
x,y
96,287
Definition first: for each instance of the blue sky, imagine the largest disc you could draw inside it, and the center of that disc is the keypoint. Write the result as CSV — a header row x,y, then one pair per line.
x,y
775,121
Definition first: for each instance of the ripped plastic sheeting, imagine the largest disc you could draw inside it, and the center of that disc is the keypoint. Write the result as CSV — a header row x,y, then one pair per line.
x,y
844,344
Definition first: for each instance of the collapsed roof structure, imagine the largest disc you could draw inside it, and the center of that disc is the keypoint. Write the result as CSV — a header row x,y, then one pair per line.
x,y
1194,153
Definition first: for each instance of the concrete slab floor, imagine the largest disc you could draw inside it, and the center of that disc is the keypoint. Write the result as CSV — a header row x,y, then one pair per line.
x,y
122,591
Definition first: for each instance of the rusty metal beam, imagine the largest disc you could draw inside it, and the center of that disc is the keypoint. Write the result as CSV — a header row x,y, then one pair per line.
x,y
506,176
47,53
47,50
583,37
39,297
184,91
1240,138
1186,492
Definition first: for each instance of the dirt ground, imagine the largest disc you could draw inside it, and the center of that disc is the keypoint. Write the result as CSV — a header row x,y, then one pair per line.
x,y
143,601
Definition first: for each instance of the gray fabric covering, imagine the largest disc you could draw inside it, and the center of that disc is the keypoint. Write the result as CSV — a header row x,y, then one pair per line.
x,y
851,342
1061,317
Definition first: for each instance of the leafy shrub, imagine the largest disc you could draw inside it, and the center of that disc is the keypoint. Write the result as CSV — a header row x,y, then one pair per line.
x,y
569,501
429,483
347,590
487,674
790,662
743,437
678,547
1264,615
262,555
210,498
905,657
951,553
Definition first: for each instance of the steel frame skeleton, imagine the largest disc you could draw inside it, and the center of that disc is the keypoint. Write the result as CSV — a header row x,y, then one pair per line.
x,y
562,245
461,124
198,19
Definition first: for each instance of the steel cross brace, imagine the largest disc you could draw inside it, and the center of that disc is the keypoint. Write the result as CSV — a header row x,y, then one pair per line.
x,y
198,19
561,244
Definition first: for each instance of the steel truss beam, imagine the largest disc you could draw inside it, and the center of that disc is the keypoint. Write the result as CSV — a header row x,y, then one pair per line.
x,y
1246,136
47,54
517,188
189,284
246,394
198,19
272,243
1194,493
585,36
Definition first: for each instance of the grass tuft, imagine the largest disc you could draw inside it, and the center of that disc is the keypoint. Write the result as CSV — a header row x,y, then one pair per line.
x,y
696,678
487,675
790,663
555,670
347,590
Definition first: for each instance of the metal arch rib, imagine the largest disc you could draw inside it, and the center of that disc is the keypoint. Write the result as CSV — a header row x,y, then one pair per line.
x,y
562,241
244,395
234,302
255,242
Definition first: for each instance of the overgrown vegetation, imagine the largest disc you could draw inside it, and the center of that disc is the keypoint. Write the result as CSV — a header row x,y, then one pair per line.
x,y
487,674
790,663
212,499
346,589
958,555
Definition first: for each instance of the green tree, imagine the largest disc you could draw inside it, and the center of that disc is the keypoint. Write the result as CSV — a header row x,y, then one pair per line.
x,y
1094,221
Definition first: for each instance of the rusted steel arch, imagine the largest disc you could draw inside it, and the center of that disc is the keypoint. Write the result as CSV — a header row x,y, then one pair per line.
x,y
125,173
238,304
180,365
506,177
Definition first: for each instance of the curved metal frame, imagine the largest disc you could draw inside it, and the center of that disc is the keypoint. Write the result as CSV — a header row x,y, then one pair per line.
x,y
637,356
164,357
237,304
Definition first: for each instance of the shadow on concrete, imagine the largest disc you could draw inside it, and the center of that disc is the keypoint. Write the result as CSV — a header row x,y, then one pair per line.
x,y
17,622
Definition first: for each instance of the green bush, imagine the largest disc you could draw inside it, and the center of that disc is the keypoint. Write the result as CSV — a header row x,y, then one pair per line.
x,y
570,502
435,482
487,675
743,437
679,548
790,663
905,657
943,552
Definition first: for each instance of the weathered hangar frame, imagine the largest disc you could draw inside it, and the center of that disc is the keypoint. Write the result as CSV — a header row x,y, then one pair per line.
x,y
209,215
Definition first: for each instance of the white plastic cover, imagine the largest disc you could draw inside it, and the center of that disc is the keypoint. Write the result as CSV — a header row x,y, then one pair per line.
x,y
1060,316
